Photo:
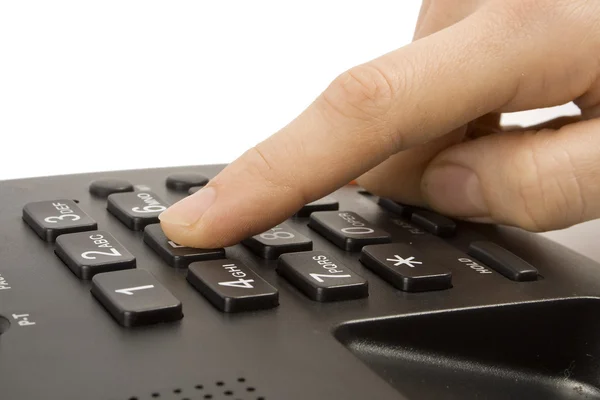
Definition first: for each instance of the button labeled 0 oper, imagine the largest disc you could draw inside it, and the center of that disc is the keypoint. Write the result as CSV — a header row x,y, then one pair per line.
x,y
347,230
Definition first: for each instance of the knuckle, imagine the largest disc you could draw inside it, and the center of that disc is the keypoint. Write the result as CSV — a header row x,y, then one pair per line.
x,y
366,96
364,93
547,189
261,165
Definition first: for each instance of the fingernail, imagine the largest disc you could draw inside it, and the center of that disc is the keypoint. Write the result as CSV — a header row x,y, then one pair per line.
x,y
455,190
188,211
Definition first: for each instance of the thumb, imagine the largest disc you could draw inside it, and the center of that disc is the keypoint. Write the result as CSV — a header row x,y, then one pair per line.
x,y
402,99
539,181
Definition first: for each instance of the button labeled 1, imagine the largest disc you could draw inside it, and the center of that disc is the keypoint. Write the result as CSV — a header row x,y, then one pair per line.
x,y
134,297
231,286
90,253
49,219
322,277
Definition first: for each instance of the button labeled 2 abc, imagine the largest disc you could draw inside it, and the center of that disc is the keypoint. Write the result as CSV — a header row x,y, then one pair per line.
x,y
90,253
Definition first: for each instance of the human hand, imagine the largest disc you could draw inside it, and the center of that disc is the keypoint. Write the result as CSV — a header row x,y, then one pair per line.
x,y
421,125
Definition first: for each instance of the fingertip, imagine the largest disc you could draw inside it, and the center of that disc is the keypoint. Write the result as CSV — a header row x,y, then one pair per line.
x,y
189,210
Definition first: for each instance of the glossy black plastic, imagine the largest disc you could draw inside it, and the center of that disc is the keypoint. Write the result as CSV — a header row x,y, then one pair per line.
x,y
486,337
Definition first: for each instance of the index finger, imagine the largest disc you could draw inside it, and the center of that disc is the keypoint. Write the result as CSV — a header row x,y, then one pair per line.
x,y
397,101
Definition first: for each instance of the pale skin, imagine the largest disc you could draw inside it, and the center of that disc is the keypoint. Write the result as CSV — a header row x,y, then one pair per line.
x,y
421,125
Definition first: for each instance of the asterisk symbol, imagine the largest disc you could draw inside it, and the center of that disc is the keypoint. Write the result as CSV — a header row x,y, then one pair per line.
x,y
397,260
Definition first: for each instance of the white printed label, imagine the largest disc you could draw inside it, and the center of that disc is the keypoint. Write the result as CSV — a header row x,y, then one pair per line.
x,y
152,206
237,273
66,214
474,266
3,283
357,228
23,319
102,243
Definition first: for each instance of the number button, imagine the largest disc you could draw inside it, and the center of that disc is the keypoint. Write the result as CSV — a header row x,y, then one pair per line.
x,y
134,297
231,286
322,277
347,230
276,241
89,253
176,255
326,203
136,210
49,219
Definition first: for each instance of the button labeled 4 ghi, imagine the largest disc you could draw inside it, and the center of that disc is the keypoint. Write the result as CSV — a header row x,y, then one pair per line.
x,y
231,286
322,277
405,268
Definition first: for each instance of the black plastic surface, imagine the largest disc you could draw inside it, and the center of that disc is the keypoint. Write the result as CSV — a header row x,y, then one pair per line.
x,y
276,241
487,337
175,255
184,181
322,277
93,252
107,186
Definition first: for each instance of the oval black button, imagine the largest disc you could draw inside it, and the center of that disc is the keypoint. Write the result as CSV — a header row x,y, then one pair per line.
x,y
105,187
185,180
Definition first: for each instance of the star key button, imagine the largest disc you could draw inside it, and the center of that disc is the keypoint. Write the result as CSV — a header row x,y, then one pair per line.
x,y
405,268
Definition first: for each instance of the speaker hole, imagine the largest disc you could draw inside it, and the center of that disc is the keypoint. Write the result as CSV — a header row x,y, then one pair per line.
x,y
250,389
228,393
177,391
199,387
241,379
220,383
133,398
208,396
76,201
260,398
155,394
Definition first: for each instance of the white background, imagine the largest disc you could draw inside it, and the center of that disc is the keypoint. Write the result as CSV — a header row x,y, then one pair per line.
x,y
95,86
